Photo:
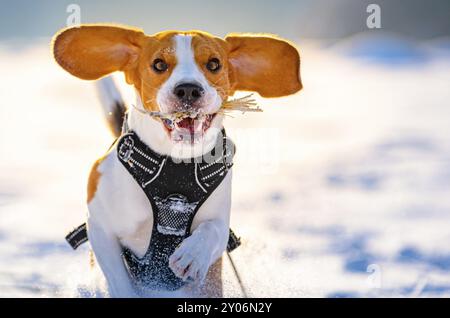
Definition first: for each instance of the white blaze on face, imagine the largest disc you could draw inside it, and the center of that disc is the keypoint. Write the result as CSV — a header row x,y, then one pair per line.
x,y
187,71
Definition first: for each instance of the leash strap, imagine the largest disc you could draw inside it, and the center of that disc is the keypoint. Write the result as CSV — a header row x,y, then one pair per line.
x,y
238,277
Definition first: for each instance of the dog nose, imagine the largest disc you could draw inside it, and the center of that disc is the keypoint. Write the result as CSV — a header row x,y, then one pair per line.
x,y
188,92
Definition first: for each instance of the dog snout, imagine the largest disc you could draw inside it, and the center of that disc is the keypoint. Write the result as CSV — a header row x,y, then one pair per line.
x,y
188,93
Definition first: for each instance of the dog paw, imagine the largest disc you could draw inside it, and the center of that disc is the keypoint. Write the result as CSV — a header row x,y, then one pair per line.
x,y
191,260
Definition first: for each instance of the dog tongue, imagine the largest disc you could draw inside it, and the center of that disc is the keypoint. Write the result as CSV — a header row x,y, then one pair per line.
x,y
189,123
192,126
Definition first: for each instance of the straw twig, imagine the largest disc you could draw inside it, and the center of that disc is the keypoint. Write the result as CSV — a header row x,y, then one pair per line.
x,y
243,104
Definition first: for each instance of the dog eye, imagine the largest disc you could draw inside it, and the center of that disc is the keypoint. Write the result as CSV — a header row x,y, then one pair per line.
x,y
213,65
160,66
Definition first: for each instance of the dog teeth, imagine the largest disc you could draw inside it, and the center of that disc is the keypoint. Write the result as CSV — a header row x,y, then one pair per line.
x,y
169,123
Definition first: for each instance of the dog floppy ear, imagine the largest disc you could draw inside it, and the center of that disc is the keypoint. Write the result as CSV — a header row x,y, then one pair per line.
x,y
93,51
264,64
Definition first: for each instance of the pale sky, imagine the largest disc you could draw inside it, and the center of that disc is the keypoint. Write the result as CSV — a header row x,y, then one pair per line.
x,y
22,19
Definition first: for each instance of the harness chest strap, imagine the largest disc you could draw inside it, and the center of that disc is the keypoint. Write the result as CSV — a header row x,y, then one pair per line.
x,y
78,236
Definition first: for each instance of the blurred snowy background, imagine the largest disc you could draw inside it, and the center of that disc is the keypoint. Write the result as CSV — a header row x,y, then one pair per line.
x,y
357,201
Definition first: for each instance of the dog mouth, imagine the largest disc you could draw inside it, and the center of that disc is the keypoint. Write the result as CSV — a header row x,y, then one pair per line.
x,y
188,128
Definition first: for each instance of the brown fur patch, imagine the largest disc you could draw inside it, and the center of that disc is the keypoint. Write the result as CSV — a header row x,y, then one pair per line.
x,y
92,51
94,178
143,77
264,64
207,47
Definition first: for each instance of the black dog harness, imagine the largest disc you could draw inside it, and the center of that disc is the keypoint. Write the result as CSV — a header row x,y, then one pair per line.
x,y
176,190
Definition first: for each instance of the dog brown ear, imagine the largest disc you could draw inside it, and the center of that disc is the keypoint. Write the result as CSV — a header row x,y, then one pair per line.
x,y
264,64
92,51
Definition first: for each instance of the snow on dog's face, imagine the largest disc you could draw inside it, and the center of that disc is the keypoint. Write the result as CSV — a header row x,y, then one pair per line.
x,y
182,72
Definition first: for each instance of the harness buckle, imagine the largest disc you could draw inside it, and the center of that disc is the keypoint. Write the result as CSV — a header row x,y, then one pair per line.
x,y
126,148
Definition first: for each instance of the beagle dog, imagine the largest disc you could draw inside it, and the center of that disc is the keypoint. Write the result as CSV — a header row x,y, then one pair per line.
x,y
170,71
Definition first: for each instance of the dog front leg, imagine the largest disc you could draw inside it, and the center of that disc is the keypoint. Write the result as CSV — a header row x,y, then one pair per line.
x,y
192,259
108,251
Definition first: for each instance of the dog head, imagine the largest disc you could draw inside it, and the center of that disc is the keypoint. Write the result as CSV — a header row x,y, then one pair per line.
x,y
182,71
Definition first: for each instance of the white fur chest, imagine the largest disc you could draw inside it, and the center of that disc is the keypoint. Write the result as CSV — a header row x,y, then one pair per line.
x,y
122,205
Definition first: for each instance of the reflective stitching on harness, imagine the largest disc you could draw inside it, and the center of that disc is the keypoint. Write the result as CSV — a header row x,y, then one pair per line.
x,y
139,151
213,173
141,166
216,161
196,179
156,175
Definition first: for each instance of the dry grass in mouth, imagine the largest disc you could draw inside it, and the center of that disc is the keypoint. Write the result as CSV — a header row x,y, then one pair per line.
x,y
243,104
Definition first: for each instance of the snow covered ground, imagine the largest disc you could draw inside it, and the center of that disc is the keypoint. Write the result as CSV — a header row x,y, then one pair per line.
x,y
342,190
